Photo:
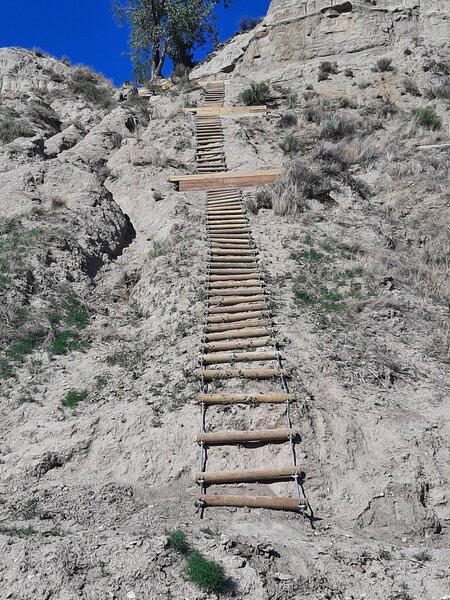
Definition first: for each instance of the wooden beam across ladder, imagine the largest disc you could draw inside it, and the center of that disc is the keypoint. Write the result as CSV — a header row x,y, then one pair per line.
x,y
225,180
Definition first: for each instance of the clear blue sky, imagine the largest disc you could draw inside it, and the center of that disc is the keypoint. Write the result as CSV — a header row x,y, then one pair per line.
x,y
85,32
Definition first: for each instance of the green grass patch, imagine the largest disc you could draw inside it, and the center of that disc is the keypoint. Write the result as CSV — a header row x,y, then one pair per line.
x,y
26,345
74,397
206,574
178,542
21,532
76,315
5,369
100,383
310,255
67,341
427,118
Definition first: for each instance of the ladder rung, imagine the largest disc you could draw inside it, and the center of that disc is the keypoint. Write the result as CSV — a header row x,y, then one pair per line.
x,y
230,279
220,266
271,503
236,334
240,316
231,258
259,476
227,312
211,374
233,357
243,437
214,328
260,342
232,300
215,399
239,293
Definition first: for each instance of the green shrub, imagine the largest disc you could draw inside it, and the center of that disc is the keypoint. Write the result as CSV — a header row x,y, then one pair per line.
x,y
314,114
383,64
349,73
337,127
256,94
291,144
440,90
410,86
288,120
248,23
206,574
85,83
423,556
292,100
73,398
177,541
11,129
426,117
327,68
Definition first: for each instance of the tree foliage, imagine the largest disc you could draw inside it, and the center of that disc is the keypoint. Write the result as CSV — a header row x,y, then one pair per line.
x,y
166,28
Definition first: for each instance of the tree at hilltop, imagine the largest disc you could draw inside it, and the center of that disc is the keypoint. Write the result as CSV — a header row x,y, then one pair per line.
x,y
161,29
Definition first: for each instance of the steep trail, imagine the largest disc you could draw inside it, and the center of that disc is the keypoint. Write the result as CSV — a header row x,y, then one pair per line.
x,y
238,331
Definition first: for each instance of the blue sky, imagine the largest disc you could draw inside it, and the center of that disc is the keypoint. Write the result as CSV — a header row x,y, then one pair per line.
x,y
85,32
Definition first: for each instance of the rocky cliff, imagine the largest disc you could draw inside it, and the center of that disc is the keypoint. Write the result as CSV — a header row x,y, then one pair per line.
x,y
298,30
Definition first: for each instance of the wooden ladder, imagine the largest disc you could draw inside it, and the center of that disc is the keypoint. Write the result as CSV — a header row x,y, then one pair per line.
x,y
239,346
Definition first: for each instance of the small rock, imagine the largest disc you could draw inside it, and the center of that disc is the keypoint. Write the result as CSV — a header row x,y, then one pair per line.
x,y
359,568
283,577
131,595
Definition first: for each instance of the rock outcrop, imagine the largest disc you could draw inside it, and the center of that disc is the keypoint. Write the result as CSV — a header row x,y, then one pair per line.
x,y
298,30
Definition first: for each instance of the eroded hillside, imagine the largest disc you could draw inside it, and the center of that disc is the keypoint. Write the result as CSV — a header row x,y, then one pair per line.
x,y
102,283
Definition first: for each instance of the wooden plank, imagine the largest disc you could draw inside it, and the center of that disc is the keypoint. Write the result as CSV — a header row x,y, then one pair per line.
x,y
259,476
242,437
227,111
212,374
228,179
270,503
217,358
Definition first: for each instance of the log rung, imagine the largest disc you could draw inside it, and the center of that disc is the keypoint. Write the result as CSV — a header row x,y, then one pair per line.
x,y
232,357
238,293
233,300
241,316
259,476
243,437
239,308
261,342
217,399
271,503
219,327
212,374
237,334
